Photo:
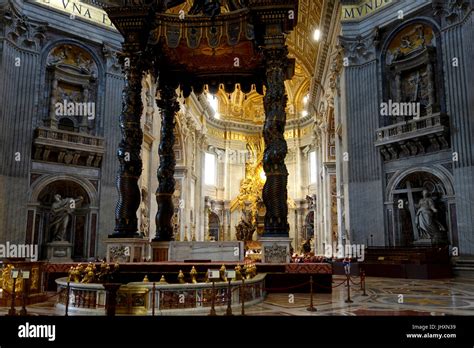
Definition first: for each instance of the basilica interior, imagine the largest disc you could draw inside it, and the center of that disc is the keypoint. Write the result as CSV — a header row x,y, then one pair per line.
x,y
289,137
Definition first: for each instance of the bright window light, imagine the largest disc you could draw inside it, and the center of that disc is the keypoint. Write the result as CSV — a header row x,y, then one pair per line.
x,y
210,169
317,35
214,103
305,100
304,113
312,167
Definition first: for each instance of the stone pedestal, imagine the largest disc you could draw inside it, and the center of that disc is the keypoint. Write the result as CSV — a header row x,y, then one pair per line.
x,y
229,251
275,249
160,251
423,243
126,249
59,251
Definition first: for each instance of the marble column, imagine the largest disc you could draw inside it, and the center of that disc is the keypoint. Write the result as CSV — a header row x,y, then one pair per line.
x,y
207,208
169,106
130,168
275,193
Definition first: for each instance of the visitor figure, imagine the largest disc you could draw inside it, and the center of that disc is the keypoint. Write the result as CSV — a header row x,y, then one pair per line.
x,y
426,223
307,246
60,215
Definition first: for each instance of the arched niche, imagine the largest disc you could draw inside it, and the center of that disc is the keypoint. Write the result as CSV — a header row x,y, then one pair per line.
x,y
405,190
214,226
83,221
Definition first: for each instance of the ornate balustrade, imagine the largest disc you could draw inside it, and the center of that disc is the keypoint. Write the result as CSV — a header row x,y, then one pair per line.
x,y
138,298
53,145
413,137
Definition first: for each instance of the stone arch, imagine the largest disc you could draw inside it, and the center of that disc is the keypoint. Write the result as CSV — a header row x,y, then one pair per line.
x,y
403,194
45,180
82,228
438,171
406,23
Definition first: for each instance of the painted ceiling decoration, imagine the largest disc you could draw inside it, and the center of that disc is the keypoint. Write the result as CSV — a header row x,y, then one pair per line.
x,y
180,33
247,106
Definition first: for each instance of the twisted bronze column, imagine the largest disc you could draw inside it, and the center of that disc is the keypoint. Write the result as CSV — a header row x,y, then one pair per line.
x,y
166,183
275,190
128,153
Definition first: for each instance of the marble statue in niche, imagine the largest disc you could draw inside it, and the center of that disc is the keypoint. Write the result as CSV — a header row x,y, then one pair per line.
x,y
61,211
144,214
422,217
427,224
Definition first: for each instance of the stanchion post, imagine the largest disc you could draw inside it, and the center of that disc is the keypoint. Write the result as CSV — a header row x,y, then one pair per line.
x,y
111,298
363,283
348,289
213,300
23,311
311,308
347,270
68,288
229,299
153,291
12,310
242,296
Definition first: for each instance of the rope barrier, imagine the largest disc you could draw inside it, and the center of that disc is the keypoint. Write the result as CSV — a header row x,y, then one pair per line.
x,y
354,283
56,294
330,287
87,299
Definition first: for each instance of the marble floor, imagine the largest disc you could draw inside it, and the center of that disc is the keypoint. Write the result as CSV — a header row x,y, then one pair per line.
x,y
385,296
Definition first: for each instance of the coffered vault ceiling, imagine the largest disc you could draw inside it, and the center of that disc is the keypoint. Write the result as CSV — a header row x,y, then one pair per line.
x,y
249,108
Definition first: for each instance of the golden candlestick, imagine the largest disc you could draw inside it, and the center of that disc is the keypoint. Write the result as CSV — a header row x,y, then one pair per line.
x,y
238,274
222,273
181,277
185,233
193,275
